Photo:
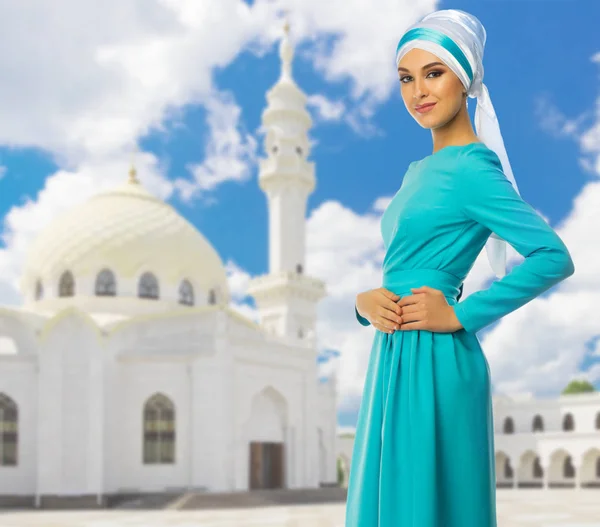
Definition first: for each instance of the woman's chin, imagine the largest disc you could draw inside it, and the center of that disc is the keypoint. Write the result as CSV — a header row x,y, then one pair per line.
x,y
425,123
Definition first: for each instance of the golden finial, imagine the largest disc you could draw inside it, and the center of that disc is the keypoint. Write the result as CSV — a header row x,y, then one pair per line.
x,y
132,171
286,26
133,175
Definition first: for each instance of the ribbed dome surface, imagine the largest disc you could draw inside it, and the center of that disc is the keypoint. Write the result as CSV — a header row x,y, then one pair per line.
x,y
125,230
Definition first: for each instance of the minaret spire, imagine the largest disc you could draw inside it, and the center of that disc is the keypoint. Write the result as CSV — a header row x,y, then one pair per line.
x,y
287,296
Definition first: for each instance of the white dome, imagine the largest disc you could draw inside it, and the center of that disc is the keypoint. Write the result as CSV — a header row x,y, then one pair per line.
x,y
129,232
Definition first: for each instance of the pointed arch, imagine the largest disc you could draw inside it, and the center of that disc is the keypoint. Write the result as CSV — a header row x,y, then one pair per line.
x,y
158,430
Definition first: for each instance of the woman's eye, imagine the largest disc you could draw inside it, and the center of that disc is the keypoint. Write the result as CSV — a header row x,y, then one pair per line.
x,y
402,79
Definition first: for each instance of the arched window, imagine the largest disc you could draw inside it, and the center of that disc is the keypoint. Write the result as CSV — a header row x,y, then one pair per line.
x,y
509,426
538,471
186,293
568,468
299,268
538,424
299,150
212,297
66,285
159,430
568,423
106,285
598,421
9,431
148,286
39,290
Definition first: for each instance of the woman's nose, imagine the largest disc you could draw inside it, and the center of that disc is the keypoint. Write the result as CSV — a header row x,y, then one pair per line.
x,y
418,93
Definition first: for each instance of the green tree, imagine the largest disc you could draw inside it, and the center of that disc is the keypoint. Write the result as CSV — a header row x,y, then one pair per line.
x,y
578,387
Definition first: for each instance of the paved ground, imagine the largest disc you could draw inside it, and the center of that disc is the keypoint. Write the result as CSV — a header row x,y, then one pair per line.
x,y
521,508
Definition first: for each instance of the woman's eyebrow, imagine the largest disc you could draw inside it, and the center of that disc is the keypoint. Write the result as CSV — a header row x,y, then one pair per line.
x,y
424,67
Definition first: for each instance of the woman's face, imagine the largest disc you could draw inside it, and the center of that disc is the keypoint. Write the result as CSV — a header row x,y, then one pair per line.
x,y
421,83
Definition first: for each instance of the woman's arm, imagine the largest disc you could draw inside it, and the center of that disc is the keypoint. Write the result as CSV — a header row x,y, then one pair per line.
x,y
487,196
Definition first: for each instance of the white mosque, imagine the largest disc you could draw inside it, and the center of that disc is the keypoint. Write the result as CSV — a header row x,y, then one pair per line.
x,y
125,370
543,443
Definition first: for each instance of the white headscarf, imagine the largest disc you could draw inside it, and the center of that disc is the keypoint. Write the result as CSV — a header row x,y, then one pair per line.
x,y
458,39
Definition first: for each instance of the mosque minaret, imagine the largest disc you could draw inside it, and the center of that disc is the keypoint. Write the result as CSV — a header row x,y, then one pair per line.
x,y
286,297
127,370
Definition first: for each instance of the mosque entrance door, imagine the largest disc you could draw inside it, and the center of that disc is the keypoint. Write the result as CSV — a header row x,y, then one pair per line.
x,y
266,465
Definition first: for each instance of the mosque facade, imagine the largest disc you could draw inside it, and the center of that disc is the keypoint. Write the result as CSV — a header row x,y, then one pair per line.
x,y
538,443
547,442
125,370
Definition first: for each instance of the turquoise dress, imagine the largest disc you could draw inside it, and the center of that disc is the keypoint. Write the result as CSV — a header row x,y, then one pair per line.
x,y
424,447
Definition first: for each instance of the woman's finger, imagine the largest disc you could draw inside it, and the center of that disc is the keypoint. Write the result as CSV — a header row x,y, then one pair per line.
x,y
383,329
395,308
411,317
388,318
388,314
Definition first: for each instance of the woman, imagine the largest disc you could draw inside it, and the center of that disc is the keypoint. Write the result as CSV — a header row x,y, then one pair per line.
x,y
424,447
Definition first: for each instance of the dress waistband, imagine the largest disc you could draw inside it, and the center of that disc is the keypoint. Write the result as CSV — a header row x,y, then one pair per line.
x,y
400,282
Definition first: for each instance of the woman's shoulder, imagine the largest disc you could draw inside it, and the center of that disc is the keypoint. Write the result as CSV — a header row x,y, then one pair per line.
x,y
478,168
478,153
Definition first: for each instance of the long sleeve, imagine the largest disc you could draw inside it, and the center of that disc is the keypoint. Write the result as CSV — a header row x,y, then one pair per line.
x,y
487,196
360,318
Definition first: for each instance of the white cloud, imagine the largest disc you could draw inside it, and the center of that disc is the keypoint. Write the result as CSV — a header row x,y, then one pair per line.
x,y
327,109
95,79
98,78
238,280
363,52
230,153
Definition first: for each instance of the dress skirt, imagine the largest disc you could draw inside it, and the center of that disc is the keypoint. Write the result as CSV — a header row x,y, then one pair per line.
x,y
423,454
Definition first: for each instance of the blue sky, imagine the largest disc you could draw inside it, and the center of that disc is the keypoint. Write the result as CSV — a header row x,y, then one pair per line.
x,y
542,81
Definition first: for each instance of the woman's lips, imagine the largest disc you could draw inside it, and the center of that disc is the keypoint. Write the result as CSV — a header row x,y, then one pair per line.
x,y
425,108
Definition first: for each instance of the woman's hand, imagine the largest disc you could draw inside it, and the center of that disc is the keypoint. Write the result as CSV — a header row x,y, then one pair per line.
x,y
379,307
427,308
